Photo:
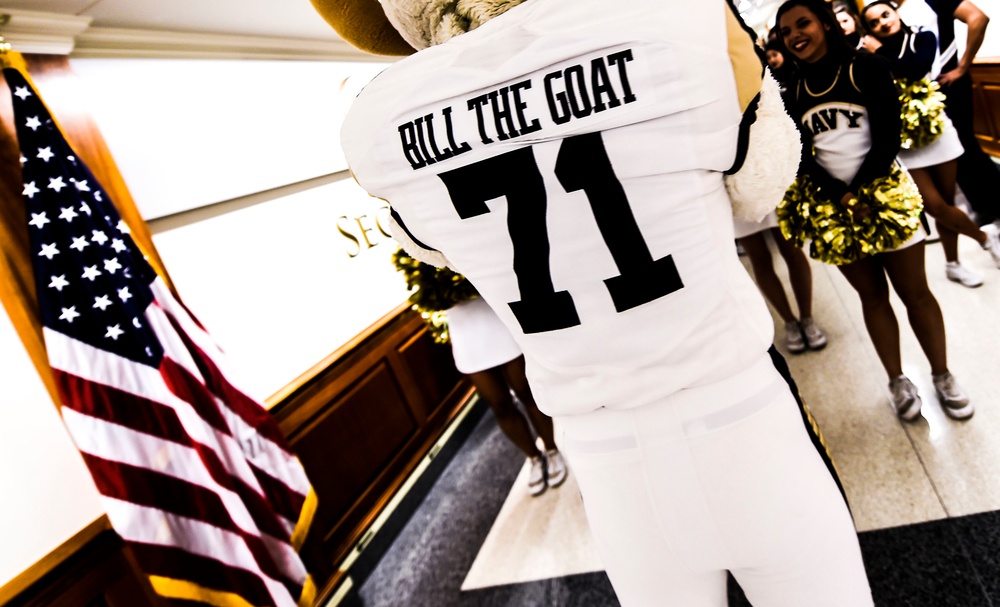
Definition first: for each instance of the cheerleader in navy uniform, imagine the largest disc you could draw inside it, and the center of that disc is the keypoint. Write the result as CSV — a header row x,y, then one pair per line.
x,y
933,165
847,105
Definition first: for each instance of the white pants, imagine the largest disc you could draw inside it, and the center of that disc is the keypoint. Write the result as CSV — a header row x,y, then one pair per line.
x,y
716,478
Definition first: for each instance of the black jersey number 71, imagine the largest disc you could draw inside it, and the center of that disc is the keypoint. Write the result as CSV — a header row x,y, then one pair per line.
x,y
581,164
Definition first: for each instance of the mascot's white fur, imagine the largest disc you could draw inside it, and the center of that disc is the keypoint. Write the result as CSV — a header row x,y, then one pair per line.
x,y
773,151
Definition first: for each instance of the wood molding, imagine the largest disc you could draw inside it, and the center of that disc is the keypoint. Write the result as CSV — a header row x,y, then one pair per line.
x,y
40,32
146,44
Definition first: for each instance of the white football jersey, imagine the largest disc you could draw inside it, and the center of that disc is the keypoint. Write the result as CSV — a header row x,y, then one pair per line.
x,y
567,157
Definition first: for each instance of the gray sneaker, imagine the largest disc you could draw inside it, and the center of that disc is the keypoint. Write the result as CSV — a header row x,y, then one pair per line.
x,y
905,398
956,272
992,245
555,467
954,400
815,338
536,477
793,337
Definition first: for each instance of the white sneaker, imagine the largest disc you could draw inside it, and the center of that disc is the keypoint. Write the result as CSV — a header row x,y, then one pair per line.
x,y
992,245
956,272
954,400
556,466
815,338
536,478
793,337
905,398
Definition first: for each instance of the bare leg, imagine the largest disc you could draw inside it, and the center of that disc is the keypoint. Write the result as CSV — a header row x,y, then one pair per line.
x,y
949,242
493,387
763,270
514,372
799,273
868,279
937,187
909,279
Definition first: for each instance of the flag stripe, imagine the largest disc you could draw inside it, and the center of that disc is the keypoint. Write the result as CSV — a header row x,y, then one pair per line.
x,y
152,526
100,437
80,359
147,488
247,415
195,340
285,503
171,562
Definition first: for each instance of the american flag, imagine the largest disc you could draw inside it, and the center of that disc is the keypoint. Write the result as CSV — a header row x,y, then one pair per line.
x,y
194,475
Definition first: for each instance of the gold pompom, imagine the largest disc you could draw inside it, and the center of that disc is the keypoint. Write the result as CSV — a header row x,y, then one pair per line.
x,y
922,106
432,291
884,215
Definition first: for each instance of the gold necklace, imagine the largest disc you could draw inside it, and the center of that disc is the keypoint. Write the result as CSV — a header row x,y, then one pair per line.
x,y
805,82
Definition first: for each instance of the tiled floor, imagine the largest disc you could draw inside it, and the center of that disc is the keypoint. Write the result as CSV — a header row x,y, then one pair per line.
x,y
926,495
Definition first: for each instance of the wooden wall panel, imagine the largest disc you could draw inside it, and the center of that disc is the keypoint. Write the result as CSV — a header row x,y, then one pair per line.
x,y
363,424
986,105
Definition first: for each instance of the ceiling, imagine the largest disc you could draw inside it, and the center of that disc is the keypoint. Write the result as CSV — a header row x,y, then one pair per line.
x,y
282,28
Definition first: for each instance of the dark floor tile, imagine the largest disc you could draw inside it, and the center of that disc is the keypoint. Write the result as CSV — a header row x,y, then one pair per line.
x,y
429,559
585,590
922,565
980,534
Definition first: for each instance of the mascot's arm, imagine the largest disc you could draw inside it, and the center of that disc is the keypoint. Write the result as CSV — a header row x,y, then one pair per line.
x,y
769,151
413,247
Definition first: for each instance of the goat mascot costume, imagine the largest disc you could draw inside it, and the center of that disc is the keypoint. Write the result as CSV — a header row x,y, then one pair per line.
x,y
581,162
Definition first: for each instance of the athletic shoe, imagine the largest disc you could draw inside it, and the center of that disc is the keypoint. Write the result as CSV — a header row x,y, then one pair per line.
x,y
815,338
992,242
556,467
953,398
536,478
793,337
905,398
956,272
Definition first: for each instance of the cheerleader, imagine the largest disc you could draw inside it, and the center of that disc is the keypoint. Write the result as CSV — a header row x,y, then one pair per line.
x,y
800,332
934,165
847,105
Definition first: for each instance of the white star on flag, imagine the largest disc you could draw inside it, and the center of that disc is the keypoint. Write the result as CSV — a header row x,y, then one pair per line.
x,y
33,123
79,243
38,220
112,265
90,273
136,323
45,154
97,197
56,183
68,214
68,314
118,245
82,185
23,159
84,208
30,190
58,282
49,250
124,294
22,92
99,237
114,332
71,159
122,227
102,302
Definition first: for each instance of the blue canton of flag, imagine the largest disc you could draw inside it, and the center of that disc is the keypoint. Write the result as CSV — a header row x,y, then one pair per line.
x,y
95,280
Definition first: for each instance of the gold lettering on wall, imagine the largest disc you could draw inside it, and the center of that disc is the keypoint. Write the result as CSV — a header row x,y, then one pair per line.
x,y
364,232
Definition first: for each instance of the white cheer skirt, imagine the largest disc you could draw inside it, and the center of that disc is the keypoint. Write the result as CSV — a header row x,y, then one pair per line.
x,y
479,341
946,147
749,228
